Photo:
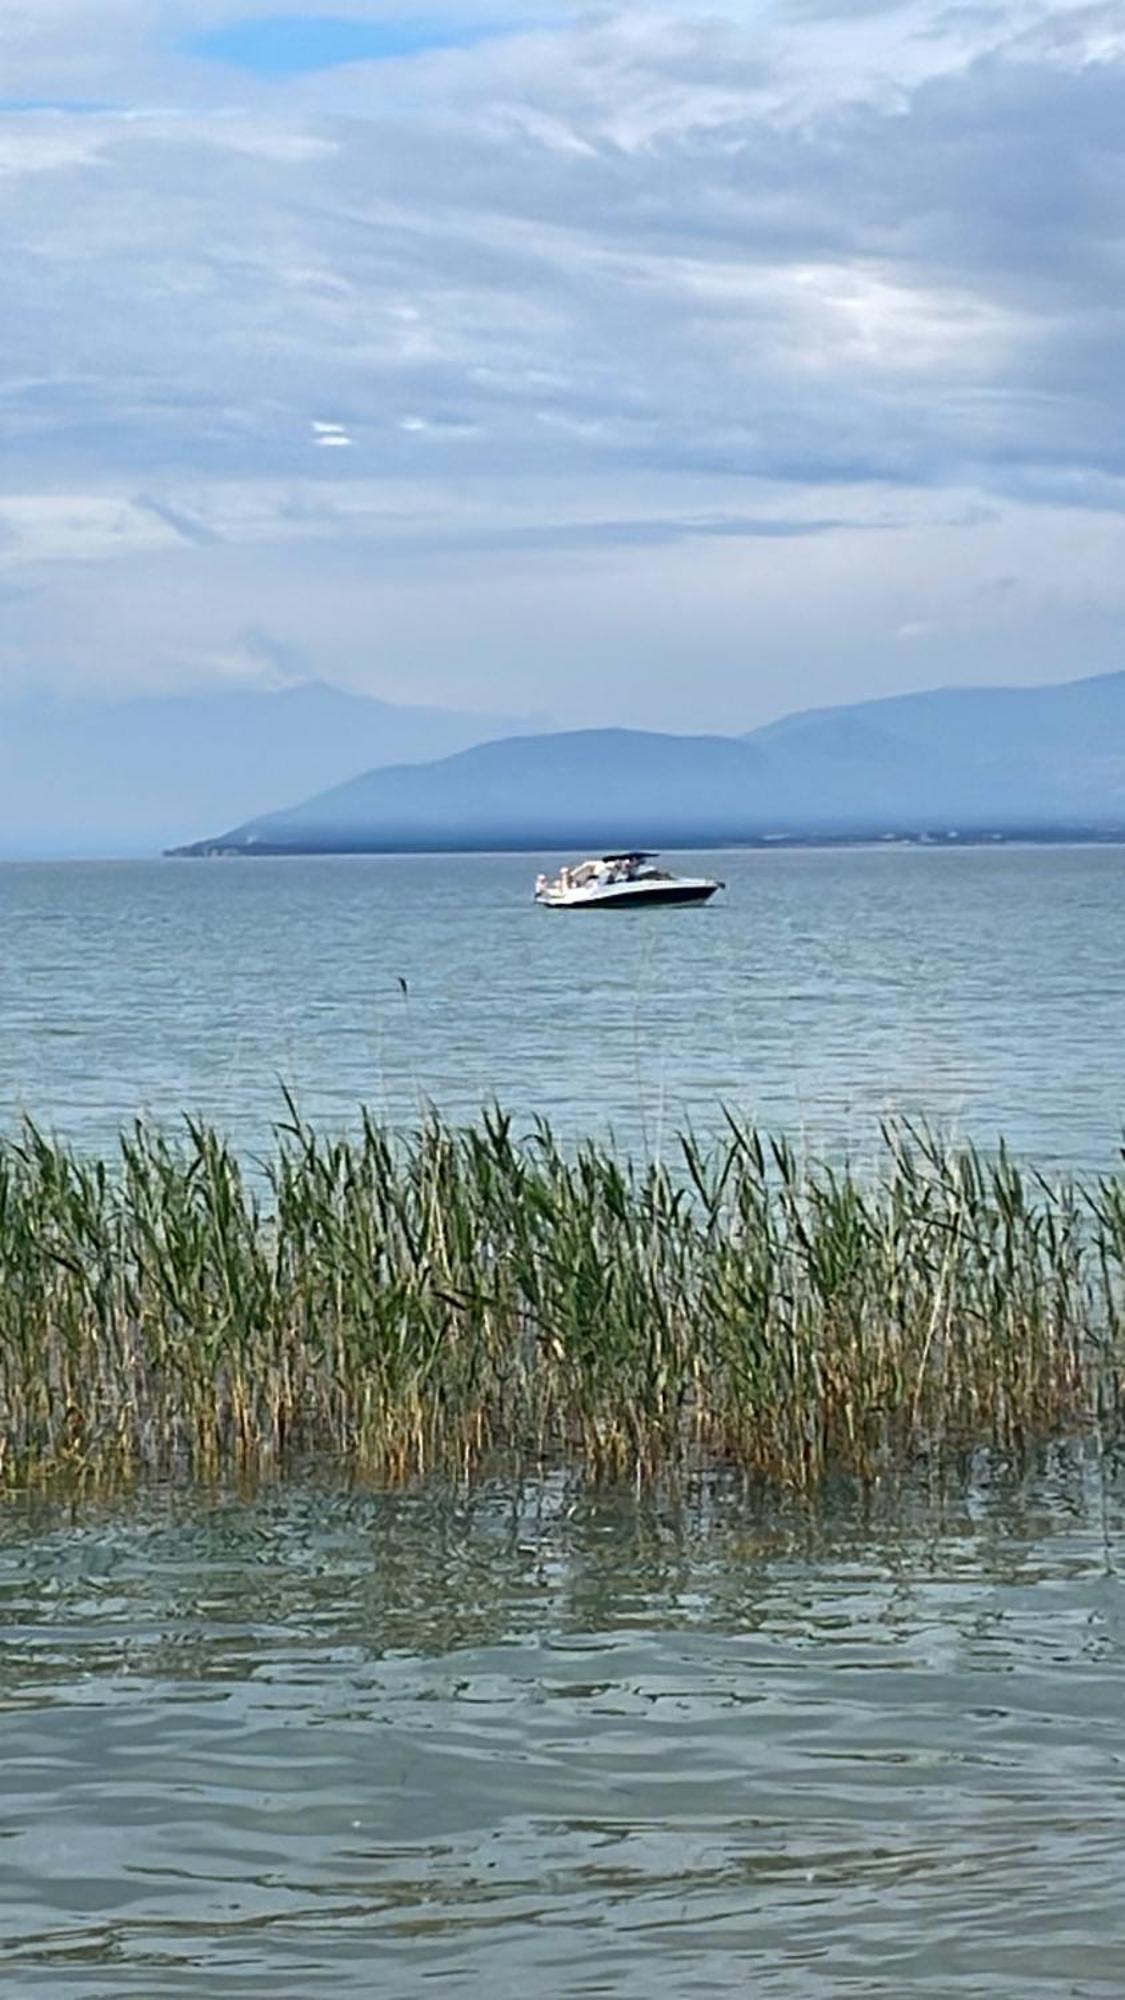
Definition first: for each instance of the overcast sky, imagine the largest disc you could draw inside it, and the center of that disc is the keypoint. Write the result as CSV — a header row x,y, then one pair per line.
x,y
679,365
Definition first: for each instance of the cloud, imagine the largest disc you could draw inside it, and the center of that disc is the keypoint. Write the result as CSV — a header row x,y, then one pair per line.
x,y
187,526
580,287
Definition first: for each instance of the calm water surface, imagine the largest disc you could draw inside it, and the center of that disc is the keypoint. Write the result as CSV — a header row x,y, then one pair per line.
x,y
315,1744
985,989
539,1743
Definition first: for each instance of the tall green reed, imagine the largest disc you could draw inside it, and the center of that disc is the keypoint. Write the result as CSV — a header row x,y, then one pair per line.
x,y
433,1300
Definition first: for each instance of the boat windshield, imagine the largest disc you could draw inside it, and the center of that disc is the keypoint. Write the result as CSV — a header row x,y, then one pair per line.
x,y
628,867
605,872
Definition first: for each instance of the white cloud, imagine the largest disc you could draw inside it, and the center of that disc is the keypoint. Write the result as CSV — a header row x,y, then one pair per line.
x,y
440,346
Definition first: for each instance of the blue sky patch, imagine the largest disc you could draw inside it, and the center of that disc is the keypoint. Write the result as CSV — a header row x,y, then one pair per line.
x,y
294,45
70,107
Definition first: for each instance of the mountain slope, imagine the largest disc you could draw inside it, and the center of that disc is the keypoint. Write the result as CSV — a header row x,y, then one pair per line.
x,y
135,775
606,785
1053,750
1028,759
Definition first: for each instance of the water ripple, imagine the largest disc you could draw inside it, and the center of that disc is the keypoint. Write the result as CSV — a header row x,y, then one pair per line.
x,y
577,1744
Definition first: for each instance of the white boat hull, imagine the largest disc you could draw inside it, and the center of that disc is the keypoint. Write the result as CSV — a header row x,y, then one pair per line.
x,y
629,895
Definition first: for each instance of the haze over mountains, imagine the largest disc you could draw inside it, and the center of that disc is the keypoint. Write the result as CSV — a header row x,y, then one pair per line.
x,y
135,775
974,760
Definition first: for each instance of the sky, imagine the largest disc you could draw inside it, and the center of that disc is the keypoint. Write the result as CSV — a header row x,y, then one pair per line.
x,y
677,365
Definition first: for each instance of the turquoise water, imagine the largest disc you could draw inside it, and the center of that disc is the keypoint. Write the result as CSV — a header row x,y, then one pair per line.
x,y
985,989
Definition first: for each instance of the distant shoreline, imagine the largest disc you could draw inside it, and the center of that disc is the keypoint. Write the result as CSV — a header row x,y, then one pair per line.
x,y
553,841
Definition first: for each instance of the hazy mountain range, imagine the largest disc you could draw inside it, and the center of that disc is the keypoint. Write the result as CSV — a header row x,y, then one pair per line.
x,y
133,776
975,760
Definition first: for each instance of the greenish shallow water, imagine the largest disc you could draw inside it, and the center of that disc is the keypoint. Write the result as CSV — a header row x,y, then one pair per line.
x,y
982,988
535,1742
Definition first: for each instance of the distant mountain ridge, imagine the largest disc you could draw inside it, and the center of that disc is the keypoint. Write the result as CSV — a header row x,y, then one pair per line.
x,y
969,760
136,774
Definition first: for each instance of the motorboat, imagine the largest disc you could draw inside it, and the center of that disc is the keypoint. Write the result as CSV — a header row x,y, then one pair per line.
x,y
621,881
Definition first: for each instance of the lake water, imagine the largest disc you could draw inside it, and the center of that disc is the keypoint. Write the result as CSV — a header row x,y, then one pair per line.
x,y
546,1742
312,1743
984,989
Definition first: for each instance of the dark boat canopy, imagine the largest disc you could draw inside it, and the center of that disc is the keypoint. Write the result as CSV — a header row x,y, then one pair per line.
x,y
635,854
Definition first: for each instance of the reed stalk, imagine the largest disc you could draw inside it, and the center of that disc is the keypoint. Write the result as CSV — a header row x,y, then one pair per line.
x,y
422,1302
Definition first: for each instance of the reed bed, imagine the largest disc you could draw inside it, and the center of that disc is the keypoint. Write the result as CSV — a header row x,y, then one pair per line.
x,y
435,1301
